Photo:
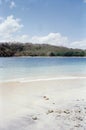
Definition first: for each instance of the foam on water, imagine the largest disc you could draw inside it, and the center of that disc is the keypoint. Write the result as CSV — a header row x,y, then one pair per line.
x,y
23,80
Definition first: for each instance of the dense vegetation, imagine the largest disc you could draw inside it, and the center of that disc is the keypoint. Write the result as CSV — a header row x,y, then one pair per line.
x,y
29,49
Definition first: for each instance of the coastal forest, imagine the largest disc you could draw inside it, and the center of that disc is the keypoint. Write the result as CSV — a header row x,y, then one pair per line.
x,y
29,49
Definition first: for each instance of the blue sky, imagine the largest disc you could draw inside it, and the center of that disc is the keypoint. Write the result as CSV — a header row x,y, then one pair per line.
x,y
59,22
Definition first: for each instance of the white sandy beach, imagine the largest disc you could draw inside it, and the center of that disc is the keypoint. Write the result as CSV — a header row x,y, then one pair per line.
x,y
43,105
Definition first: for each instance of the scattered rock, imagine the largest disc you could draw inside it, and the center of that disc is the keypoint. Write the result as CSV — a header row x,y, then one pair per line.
x,y
50,111
78,125
34,118
79,118
45,97
67,111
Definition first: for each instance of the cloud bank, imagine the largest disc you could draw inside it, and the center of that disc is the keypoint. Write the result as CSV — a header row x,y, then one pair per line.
x,y
10,27
51,38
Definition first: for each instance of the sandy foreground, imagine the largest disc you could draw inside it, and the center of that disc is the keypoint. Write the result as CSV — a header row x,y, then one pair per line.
x,y
43,105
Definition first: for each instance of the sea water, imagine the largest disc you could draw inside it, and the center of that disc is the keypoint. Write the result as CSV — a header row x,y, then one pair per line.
x,y
31,68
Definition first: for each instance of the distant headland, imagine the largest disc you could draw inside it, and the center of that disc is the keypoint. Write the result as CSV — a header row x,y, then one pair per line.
x,y
28,49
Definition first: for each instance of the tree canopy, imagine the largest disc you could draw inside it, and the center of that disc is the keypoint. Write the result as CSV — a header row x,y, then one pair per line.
x,y
29,49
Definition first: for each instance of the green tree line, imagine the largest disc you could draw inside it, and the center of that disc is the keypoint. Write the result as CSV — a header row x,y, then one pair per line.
x,y
29,49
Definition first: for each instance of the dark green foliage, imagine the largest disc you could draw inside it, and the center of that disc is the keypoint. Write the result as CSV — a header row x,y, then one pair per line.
x,y
29,49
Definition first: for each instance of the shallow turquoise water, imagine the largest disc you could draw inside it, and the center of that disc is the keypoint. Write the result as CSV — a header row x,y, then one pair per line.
x,y
25,67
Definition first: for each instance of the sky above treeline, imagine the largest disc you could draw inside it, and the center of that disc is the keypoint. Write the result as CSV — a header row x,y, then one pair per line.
x,y
55,22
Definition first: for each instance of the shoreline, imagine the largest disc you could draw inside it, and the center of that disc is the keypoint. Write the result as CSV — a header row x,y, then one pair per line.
x,y
27,80
44,57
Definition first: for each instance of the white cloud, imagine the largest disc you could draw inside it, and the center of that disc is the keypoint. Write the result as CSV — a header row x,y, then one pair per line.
x,y
51,38
78,44
12,4
9,26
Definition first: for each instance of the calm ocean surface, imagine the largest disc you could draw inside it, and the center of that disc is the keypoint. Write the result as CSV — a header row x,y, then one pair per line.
x,y
22,68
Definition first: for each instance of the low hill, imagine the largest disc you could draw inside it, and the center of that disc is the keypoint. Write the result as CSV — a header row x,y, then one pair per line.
x,y
29,49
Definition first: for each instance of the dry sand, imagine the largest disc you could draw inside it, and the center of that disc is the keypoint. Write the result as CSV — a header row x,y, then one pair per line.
x,y
43,105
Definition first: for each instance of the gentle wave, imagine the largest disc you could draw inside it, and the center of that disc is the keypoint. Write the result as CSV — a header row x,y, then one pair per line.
x,y
23,80
55,78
